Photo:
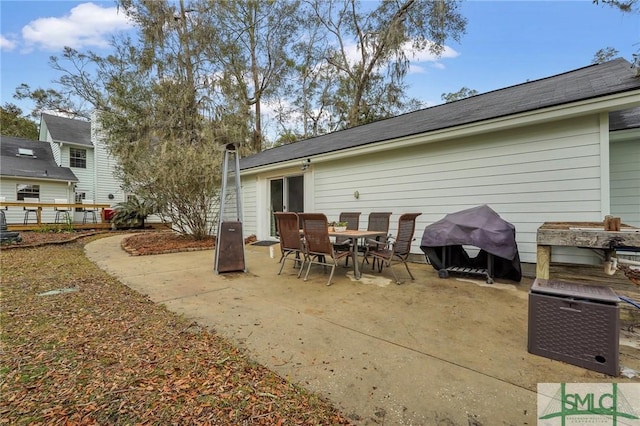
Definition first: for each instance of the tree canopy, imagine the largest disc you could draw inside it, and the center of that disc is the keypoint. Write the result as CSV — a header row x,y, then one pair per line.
x,y
13,123
464,92
203,73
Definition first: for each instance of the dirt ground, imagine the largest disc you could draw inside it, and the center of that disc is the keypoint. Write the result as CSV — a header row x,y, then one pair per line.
x,y
429,351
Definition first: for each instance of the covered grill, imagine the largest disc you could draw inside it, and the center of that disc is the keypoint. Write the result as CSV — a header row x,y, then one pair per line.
x,y
443,241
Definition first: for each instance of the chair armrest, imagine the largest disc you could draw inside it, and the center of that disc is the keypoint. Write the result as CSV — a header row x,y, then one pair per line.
x,y
379,244
371,241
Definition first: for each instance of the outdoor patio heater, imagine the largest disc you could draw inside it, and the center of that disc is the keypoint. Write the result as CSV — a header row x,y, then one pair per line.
x,y
229,248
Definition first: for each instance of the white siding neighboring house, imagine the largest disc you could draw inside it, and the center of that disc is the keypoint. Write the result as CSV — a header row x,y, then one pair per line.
x,y
108,186
541,151
28,170
76,144
74,149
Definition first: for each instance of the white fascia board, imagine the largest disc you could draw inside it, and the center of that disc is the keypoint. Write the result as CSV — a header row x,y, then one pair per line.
x,y
81,145
616,102
40,179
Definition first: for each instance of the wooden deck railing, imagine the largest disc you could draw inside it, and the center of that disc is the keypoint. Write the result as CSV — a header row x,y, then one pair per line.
x,y
39,207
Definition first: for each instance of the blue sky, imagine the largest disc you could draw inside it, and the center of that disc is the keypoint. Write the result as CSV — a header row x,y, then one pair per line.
x,y
506,43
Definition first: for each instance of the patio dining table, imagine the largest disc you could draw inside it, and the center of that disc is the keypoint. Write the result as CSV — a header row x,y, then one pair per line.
x,y
354,235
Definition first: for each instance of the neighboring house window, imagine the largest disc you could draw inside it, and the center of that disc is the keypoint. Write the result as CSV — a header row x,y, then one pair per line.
x,y
79,197
78,158
27,191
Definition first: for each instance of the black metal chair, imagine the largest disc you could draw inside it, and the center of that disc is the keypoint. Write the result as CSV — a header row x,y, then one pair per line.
x,y
30,209
89,211
62,212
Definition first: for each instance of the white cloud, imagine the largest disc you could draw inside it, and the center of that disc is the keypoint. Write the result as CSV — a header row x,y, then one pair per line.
x,y
426,56
418,57
6,44
86,25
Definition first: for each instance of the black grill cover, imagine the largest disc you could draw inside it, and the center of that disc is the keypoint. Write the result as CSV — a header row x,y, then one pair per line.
x,y
480,227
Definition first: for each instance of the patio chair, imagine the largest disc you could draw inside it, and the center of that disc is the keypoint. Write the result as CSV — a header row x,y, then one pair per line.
x,y
377,221
318,247
62,211
30,209
89,211
291,243
398,248
353,223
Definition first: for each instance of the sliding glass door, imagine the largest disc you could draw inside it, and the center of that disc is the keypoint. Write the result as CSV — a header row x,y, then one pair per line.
x,y
286,194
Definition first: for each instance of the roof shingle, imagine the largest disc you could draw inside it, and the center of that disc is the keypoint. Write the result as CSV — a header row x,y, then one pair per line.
x,y
593,81
68,130
41,166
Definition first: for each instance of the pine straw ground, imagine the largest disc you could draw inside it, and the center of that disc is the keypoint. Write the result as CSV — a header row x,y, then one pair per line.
x,y
104,354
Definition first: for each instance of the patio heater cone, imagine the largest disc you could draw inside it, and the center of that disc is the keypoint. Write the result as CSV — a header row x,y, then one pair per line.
x,y
229,248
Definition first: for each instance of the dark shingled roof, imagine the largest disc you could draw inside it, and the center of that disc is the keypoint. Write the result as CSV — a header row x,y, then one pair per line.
x,y
68,130
624,120
41,166
593,81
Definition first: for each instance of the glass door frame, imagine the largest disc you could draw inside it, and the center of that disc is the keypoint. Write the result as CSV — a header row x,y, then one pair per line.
x,y
287,190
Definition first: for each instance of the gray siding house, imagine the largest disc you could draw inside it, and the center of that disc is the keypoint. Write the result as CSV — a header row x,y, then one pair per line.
x,y
562,148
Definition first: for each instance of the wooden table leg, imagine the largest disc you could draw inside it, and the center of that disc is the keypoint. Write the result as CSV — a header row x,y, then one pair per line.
x,y
543,260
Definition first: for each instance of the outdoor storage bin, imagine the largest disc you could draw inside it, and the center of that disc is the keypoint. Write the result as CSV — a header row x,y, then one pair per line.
x,y
575,323
108,214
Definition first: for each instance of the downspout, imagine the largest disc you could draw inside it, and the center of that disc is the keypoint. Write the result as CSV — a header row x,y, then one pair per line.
x,y
605,167
94,142
94,186
71,196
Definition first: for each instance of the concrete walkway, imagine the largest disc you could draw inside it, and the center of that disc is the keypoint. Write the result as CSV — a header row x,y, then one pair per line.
x,y
427,352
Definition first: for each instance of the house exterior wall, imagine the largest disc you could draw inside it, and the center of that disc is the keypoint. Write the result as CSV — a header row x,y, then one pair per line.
x,y
256,204
105,180
84,175
46,137
48,192
528,175
250,203
625,179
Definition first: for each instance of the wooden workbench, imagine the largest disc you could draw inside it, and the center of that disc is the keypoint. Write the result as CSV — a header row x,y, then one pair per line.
x,y
584,235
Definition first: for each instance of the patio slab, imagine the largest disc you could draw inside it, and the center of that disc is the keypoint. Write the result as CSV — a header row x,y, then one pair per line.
x,y
425,352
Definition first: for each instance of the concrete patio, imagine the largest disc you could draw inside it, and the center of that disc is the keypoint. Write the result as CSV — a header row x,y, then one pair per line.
x,y
426,352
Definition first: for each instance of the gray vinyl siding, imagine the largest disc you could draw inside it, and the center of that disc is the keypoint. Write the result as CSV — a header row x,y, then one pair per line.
x,y
249,207
531,175
625,181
